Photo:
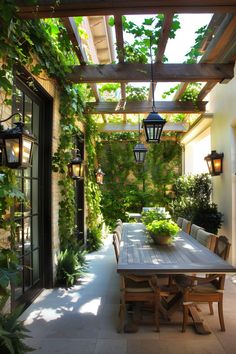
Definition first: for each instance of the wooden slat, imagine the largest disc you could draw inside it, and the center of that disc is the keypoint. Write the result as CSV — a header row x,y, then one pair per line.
x,y
67,8
146,107
168,127
162,42
205,90
119,37
180,91
136,72
76,41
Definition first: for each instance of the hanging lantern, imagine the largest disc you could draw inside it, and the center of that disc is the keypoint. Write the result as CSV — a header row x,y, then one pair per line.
x,y
17,146
154,123
140,153
99,175
76,167
215,163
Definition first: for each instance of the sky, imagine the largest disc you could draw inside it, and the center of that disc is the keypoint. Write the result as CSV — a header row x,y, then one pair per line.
x,y
179,46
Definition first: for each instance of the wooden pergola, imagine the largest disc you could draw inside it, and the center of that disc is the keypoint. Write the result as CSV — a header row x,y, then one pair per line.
x,y
215,66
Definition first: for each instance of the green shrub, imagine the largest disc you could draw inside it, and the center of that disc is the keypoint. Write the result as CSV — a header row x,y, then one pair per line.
x,y
154,214
71,264
94,239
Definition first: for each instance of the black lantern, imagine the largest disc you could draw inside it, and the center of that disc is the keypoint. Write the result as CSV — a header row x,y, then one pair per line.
x,y
17,145
215,163
76,167
99,175
140,153
154,123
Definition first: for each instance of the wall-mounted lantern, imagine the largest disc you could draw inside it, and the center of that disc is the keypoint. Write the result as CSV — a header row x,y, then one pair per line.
x,y
76,166
215,163
99,175
140,153
17,145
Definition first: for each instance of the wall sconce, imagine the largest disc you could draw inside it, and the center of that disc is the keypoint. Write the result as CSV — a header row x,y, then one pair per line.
x,y
76,166
154,123
99,175
215,163
17,144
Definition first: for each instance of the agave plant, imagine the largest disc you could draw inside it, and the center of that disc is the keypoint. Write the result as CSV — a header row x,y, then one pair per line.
x,y
13,333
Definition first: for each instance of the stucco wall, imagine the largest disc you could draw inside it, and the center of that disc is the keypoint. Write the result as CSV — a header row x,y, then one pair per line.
x,y
222,102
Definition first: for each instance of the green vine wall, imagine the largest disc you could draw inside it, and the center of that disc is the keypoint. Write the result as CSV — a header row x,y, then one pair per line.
x,y
20,42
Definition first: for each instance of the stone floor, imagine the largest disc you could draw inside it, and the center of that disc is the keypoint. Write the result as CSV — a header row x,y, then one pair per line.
x,y
83,319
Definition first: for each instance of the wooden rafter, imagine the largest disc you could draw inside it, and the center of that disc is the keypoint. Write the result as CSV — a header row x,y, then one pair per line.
x,y
168,127
136,72
162,42
145,107
76,41
67,8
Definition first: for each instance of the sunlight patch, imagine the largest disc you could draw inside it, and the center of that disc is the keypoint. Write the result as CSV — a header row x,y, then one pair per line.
x,y
91,306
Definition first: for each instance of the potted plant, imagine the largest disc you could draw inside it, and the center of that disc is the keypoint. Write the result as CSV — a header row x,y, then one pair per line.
x,y
163,231
154,214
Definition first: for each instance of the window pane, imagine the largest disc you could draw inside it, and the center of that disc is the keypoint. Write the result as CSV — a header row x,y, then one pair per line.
x,y
27,235
35,240
28,114
27,271
19,283
27,193
34,196
35,266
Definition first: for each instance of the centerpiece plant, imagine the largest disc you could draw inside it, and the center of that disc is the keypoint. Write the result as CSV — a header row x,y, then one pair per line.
x,y
162,231
154,214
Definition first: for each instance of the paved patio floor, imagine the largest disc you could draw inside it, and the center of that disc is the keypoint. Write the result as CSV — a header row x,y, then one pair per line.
x,y
83,319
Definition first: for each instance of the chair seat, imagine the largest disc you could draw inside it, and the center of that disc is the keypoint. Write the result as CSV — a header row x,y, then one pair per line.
x,y
132,286
206,288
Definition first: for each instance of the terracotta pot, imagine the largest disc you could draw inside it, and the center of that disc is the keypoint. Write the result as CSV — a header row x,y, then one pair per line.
x,y
161,239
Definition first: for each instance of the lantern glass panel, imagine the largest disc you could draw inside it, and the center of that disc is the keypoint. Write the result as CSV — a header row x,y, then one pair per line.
x,y
27,146
99,178
217,165
209,164
12,150
77,170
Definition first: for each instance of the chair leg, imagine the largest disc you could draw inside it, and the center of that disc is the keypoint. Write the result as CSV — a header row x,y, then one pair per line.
x,y
221,315
121,318
211,308
156,314
185,317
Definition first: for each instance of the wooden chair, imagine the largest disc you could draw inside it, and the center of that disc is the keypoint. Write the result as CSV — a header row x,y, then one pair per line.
x,y
139,289
222,247
118,231
194,229
179,221
135,289
206,238
197,290
186,225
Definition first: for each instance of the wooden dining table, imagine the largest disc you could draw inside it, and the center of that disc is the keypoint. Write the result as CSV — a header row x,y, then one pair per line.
x,y
140,255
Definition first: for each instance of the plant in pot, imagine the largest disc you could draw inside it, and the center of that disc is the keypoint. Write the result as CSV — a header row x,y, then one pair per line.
x,y
163,231
154,214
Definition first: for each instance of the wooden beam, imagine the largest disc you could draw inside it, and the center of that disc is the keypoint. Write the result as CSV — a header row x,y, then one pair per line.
x,y
180,91
205,90
75,39
68,8
136,72
119,38
168,127
145,107
162,42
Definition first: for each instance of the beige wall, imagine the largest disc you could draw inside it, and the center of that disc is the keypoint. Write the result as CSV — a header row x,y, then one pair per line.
x,y
222,102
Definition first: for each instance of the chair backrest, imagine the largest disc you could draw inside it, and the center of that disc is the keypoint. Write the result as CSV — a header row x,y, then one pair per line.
x,y
186,225
118,231
222,247
206,239
119,222
194,230
179,221
116,245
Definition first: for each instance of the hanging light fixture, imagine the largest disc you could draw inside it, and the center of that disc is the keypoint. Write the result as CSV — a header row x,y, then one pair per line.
x,y
17,144
140,150
76,166
154,123
99,175
215,163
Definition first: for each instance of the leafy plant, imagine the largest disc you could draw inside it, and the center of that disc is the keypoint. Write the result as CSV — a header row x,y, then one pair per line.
x,y
193,201
94,239
154,214
71,265
12,334
163,228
